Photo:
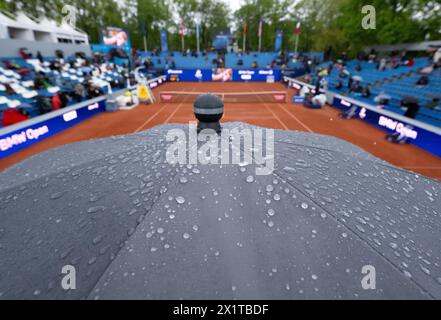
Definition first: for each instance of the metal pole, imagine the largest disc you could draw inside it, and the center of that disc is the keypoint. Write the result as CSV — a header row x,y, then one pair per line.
x,y
183,43
197,38
260,43
145,43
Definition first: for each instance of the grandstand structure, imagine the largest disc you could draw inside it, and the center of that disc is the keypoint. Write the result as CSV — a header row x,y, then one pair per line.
x,y
18,78
397,83
44,35
236,60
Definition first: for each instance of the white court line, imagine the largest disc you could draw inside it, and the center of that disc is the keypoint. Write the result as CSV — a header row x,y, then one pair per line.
x,y
177,108
296,119
152,117
269,109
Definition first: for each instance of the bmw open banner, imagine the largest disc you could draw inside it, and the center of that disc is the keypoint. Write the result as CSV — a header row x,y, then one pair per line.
x,y
416,134
41,129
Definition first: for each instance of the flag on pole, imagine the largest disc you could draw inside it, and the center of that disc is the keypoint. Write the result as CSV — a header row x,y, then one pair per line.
x,y
182,28
144,33
298,29
259,31
182,34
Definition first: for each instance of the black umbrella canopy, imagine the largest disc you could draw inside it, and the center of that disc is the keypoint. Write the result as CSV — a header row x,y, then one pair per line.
x,y
136,227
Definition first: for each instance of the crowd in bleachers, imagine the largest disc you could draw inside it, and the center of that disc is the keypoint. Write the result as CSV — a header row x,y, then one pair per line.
x,y
34,85
385,81
191,59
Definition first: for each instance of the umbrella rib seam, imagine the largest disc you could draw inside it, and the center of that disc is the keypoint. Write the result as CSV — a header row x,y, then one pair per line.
x,y
136,228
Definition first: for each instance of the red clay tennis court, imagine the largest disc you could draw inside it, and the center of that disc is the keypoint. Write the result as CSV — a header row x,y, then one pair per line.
x,y
262,112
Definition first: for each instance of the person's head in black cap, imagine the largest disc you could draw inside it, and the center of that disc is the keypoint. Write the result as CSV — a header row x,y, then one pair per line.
x,y
209,109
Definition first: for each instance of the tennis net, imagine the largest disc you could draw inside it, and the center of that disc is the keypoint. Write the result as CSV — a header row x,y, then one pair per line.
x,y
227,97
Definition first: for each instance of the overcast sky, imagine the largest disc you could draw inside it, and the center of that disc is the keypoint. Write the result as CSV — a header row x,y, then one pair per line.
x,y
234,4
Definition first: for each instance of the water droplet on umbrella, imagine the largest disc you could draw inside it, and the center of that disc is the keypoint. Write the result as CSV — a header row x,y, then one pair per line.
x,y
393,245
97,240
250,179
95,209
180,200
57,195
271,212
186,236
305,206
160,230
183,180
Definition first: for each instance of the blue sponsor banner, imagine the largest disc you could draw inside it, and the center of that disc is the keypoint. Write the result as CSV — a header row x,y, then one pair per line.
x,y
223,75
26,136
176,75
421,137
164,41
278,41
259,75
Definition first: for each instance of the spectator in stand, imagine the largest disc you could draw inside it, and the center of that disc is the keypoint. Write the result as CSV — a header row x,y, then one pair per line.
x,y
358,67
422,81
43,104
366,92
56,102
410,62
356,87
13,116
437,58
434,103
339,84
372,56
24,54
94,91
412,106
350,82
40,81
40,57
79,92
254,65
382,65
330,68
